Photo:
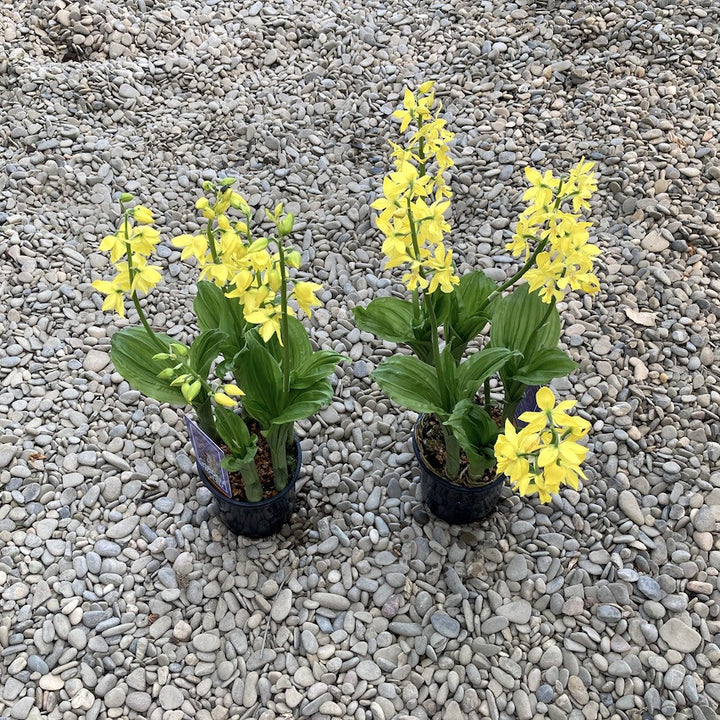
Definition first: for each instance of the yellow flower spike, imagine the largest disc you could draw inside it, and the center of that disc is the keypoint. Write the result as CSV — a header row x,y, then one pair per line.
x,y
238,202
222,399
441,266
510,449
545,398
260,260
242,281
258,245
231,389
144,239
304,294
142,215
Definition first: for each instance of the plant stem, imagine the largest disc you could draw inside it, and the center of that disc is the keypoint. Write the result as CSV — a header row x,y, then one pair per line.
x,y
452,454
211,242
158,343
251,480
530,262
203,408
278,437
285,329
486,394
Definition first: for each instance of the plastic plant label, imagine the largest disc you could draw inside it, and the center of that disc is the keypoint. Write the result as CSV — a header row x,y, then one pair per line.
x,y
208,456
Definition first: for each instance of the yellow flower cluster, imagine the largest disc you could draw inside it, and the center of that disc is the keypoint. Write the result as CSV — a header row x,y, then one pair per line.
x,y
241,265
414,202
545,453
135,241
566,257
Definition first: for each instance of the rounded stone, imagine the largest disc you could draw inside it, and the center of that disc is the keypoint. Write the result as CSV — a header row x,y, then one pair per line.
x,y
207,642
368,670
170,697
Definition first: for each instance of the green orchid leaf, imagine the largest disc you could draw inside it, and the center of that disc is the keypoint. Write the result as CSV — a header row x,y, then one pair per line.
x,y
467,320
476,432
318,366
389,318
305,402
206,347
519,323
447,377
132,351
233,430
543,366
258,373
215,311
473,372
410,382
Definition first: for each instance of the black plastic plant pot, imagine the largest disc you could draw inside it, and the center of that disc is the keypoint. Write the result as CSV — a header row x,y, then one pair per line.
x,y
459,504
456,504
257,519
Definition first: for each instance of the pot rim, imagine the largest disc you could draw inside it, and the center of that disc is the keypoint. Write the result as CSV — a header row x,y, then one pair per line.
x,y
261,503
500,479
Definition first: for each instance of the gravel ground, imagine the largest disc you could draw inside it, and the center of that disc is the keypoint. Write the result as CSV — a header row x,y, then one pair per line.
x,y
122,595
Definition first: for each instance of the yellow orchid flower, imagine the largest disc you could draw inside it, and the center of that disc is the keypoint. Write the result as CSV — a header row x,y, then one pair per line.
x,y
115,299
142,215
304,294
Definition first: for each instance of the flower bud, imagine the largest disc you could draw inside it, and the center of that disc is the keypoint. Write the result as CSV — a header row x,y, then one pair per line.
x,y
178,350
231,389
126,197
222,399
190,391
285,225
238,202
207,187
258,245
274,278
228,181
166,374
293,259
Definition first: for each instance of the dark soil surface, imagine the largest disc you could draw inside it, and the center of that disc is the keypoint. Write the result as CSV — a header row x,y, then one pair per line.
x,y
431,442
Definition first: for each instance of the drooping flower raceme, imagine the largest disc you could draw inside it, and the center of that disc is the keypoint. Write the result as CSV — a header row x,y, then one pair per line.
x,y
545,453
563,254
416,198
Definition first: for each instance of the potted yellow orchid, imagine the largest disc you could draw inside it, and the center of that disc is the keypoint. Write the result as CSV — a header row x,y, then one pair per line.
x,y
250,372
466,438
